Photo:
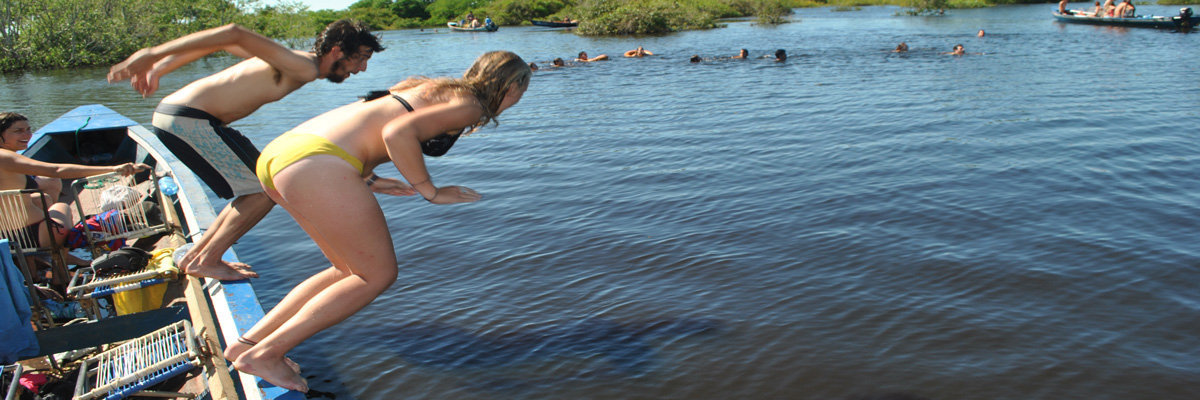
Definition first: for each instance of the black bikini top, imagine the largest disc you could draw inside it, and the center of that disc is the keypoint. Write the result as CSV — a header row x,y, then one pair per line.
x,y
435,147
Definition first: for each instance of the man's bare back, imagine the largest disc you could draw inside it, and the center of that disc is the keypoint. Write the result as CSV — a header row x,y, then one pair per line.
x,y
238,91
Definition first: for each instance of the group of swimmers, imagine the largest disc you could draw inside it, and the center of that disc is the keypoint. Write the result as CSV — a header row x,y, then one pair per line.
x,y
958,49
780,55
1124,10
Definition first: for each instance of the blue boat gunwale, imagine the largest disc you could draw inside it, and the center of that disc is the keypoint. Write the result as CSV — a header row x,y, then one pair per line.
x,y
234,303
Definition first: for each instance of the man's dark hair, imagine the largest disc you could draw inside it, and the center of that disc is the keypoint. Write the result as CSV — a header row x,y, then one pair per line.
x,y
7,119
349,35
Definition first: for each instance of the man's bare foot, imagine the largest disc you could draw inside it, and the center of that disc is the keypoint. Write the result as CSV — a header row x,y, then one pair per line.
x,y
222,270
195,259
273,370
235,350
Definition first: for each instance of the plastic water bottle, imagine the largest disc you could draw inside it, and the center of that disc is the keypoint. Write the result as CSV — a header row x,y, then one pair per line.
x,y
168,186
180,252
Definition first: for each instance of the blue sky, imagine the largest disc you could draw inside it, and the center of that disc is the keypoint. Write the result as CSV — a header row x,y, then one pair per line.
x,y
328,4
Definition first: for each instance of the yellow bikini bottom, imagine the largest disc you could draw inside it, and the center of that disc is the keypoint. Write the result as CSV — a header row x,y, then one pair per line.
x,y
293,146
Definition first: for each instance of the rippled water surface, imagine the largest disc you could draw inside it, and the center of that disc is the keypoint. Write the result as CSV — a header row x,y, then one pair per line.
x,y
1018,223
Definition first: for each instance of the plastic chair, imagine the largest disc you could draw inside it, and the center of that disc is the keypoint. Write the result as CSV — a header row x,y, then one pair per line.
x,y
23,240
160,268
13,384
119,208
139,364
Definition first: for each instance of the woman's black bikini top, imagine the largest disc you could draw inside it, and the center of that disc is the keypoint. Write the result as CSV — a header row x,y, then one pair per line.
x,y
435,147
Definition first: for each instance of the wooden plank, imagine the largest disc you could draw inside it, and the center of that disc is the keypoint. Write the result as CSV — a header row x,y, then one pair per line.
x,y
220,383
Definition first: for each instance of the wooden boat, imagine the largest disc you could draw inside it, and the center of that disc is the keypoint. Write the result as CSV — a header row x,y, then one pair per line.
x,y
454,26
554,24
1183,21
217,311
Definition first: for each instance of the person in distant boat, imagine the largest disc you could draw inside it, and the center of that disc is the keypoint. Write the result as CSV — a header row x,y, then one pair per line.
x,y
695,58
780,55
1109,9
1098,10
901,48
320,166
742,54
20,172
1125,10
638,52
958,51
1062,8
583,57
558,62
193,121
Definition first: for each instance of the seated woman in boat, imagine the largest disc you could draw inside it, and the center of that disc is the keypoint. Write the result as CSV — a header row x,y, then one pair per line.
x,y
1097,11
316,173
583,57
20,172
638,52
1109,9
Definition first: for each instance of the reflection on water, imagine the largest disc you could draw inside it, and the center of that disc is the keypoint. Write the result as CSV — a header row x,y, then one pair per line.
x,y
605,350
1017,224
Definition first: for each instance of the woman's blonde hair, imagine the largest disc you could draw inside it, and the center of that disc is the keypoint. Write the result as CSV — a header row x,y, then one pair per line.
x,y
488,80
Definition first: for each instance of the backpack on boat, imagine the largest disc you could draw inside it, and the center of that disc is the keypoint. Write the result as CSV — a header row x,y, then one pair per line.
x,y
123,260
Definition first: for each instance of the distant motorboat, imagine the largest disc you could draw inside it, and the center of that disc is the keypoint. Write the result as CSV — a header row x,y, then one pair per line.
x,y
1184,20
554,24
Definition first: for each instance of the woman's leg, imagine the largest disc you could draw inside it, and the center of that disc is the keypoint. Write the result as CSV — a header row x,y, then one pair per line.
x,y
329,200
52,187
62,217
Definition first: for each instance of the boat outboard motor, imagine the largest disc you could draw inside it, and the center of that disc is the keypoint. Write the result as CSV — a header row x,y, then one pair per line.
x,y
1184,20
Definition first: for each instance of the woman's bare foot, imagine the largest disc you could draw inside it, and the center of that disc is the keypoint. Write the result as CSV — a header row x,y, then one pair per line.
x,y
273,370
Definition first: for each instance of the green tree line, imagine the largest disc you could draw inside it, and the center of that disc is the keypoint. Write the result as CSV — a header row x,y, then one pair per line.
x,y
50,34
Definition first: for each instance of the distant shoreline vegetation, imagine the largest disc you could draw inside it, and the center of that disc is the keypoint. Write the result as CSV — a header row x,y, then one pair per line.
x,y
54,34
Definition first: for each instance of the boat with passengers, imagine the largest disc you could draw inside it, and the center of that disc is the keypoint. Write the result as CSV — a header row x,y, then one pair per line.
x,y
1184,21
463,27
140,328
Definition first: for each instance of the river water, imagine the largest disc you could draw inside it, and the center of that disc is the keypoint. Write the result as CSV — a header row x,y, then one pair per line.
x,y
1017,223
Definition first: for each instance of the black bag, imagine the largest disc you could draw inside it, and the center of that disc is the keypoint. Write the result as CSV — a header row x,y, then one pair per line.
x,y
122,260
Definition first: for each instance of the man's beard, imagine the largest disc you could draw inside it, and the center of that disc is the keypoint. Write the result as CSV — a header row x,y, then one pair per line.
x,y
335,72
